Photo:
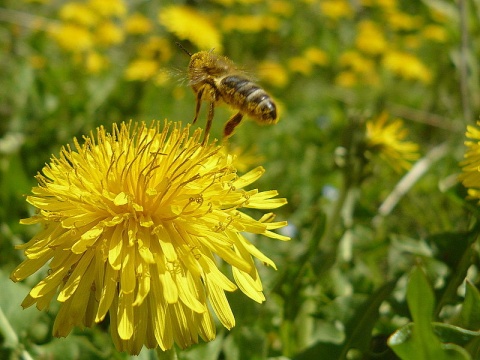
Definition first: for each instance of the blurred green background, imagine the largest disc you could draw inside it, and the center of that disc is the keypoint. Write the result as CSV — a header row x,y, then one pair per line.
x,y
359,220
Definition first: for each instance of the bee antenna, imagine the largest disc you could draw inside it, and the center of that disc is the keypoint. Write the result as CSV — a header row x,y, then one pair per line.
x,y
183,48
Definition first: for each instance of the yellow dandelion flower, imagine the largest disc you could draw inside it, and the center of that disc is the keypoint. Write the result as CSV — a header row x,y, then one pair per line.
x,y
336,9
370,38
403,22
78,13
72,37
407,66
156,48
108,33
388,141
357,62
95,62
133,224
273,73
387,5
162,78
138,24
301,65
243,159
316,56
188,24
347,79
109,8
249,23
435,33
141,70
281,7
470,176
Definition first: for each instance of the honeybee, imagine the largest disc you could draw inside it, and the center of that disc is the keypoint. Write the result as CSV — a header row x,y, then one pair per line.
x,y
216,79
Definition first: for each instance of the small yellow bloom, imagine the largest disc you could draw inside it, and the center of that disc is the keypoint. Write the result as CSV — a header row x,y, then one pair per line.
x,y
357,62
316,56
470,176
74,38
94,62
436,33
249,23
188,24
78,13
273,73
347,79
281,7
109,8
388,141
407,66
301,65
141,70
336,9
156,48
108,33
138,24
133,224
370,38
403,22
243,160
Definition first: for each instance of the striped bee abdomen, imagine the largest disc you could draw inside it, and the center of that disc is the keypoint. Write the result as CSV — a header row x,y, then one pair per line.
x,y
248,98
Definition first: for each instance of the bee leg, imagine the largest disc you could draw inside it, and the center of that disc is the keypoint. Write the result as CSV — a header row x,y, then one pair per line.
x,y
231,124
198,105
211,110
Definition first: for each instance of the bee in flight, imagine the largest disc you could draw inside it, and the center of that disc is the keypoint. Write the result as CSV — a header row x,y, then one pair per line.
x,y
216,79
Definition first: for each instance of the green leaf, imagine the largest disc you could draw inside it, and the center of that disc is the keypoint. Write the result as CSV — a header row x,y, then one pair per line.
x,y
404,344
470,314
418,340
358,329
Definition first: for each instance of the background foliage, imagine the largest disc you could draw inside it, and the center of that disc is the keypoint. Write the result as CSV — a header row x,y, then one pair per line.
x,y
345,287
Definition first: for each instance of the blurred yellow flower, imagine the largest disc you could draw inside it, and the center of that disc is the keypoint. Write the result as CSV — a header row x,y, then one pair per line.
x,y
336,9
72,37
357,62
231,2
109,8
387,5
435,32
94,62
300,64
243,160
316,56
403,22
281,7
470,176
108,33
141,69
138,24
370,38
133,224
188,24
388,141
406,66
156,48
347,79
249,23
78,13
273,73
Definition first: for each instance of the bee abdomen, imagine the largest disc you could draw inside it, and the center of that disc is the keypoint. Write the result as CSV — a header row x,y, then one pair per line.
x,y
249,98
